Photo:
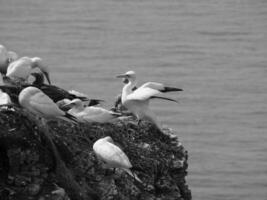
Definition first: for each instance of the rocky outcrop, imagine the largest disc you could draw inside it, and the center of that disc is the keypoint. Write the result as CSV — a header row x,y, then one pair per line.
x,y
55,160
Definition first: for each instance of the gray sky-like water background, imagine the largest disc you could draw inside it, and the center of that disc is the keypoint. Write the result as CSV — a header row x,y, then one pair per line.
x,y
216,50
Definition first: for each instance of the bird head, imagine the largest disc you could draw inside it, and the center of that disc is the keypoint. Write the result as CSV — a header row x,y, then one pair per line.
x,y
12,56
109,139
77,103
37,63
128,76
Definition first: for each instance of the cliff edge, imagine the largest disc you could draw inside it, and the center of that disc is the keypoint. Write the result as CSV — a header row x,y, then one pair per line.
x,y
57,161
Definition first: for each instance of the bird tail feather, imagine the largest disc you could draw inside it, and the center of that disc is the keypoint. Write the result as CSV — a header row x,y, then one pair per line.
x,y
70,118
115,114
93,102
133,175
83,98
165,98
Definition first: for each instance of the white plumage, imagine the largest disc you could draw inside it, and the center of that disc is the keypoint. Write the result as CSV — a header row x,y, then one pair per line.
x,y
112,155
38,103
137,101
6,57
4,98
90,113
21,69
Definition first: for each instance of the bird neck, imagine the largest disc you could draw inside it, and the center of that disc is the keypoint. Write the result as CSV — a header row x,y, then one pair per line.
x,y
128,89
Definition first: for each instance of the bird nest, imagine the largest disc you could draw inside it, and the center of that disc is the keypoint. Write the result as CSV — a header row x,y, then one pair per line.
x,y
56,161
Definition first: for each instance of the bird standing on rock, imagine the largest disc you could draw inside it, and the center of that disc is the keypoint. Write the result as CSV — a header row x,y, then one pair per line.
x,y
6,57
38,103
113,156
137,101
90,113
22,68
4,98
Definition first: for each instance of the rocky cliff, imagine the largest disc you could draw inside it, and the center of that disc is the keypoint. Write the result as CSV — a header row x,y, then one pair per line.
x,y
56,160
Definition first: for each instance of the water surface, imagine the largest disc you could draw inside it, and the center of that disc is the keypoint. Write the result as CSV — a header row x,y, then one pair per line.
x,y
214,49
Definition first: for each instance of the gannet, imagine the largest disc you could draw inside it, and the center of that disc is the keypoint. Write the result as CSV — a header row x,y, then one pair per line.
x,y
6,57
117,105
4,98
22,68
112,155
38,103
137,101
58,94
90,113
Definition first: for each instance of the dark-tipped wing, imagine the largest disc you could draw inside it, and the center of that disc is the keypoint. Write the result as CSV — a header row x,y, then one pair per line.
x,y
57,94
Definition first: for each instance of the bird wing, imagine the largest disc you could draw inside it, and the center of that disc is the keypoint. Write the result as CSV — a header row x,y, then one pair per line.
x,y
55,93
153,85
112,155
143,93
43,104
97,114
94,110
161,87
78,94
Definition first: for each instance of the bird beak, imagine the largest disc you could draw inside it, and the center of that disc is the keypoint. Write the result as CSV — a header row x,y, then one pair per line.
x,y
47,77
121,76
125,78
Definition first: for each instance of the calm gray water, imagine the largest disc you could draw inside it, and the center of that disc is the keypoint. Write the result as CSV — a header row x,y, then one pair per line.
x,y
216,50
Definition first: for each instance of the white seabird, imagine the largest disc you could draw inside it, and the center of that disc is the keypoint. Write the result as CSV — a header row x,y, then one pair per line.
x,y
4,98
6,57
38,103
137,101
21,69
90,113
112,155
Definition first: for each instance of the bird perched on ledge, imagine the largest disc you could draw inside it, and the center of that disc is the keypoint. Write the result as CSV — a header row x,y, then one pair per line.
x,y
38,103
90,113
137,101
22,68
4,98
113,156
6,57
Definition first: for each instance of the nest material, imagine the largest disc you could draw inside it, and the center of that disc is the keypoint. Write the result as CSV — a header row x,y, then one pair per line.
x,y
37,161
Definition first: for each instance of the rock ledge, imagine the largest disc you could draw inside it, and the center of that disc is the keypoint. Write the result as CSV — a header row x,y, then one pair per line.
x,y
56,161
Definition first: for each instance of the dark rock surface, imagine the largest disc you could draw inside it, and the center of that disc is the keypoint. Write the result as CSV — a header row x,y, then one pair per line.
x,y
57,161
